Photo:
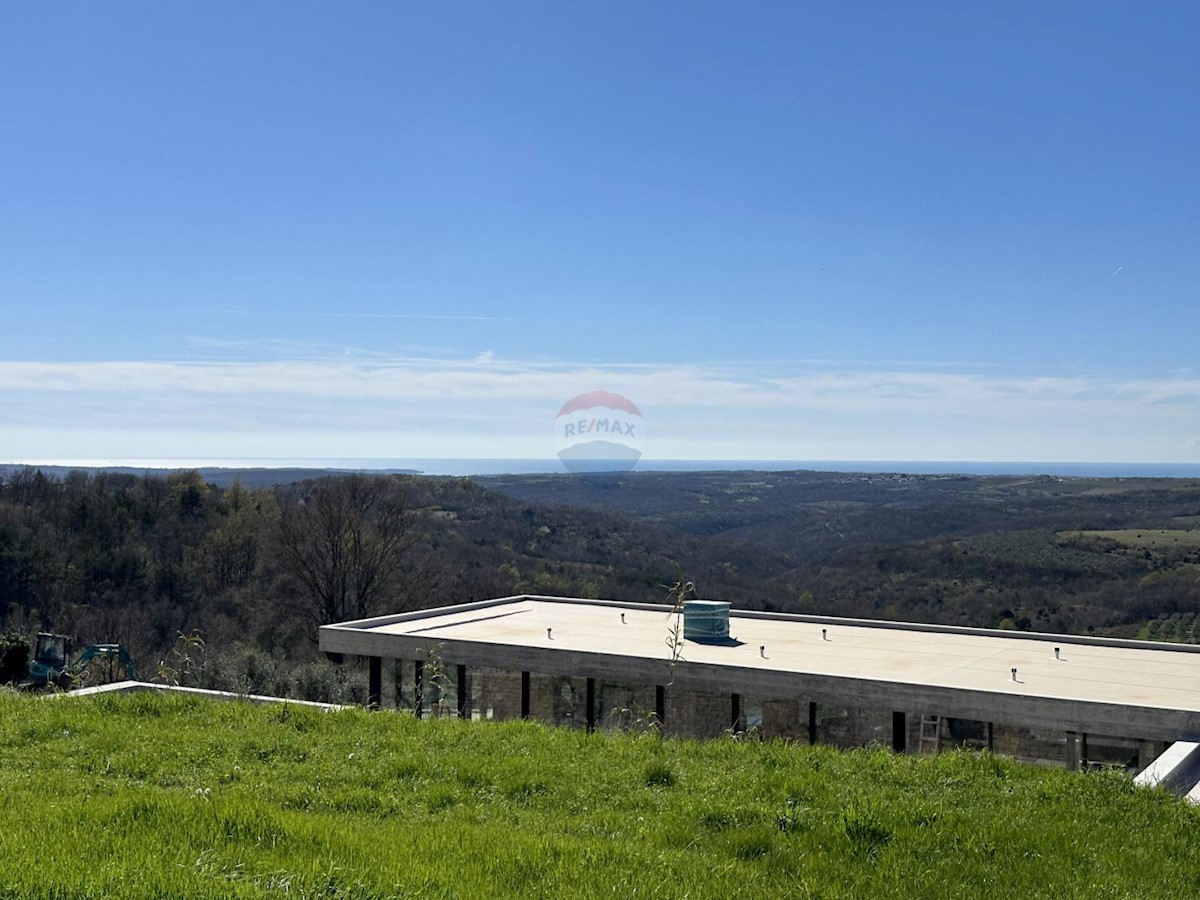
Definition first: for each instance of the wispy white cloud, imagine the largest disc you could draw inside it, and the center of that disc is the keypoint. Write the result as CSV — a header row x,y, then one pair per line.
x,y
487,376
355,315
490,406
280,348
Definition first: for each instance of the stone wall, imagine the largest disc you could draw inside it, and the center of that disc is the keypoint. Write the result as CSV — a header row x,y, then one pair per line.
x,y
558,700
785,719
1029,745
852,726
624,706
698,714
496,694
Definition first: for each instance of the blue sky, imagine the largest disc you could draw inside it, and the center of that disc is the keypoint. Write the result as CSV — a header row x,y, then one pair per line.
x,y
786,230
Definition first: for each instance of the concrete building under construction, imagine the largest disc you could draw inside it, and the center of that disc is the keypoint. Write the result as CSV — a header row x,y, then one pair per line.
x,y
704,670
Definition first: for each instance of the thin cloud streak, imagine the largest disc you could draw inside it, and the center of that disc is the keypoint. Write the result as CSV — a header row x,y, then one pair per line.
x,y
359,316
435,407
486,376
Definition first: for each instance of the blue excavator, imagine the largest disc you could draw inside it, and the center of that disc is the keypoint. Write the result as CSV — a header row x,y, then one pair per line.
x,y
51,663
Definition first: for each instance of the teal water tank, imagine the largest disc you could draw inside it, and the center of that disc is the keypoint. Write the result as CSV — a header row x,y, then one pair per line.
x,y
705,621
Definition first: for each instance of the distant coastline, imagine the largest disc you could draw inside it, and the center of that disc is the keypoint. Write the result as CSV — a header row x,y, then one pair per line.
x,y
550,465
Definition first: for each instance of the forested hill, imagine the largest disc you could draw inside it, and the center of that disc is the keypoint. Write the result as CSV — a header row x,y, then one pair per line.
x,y
139,560
113,557
1050,553
221,476
809,515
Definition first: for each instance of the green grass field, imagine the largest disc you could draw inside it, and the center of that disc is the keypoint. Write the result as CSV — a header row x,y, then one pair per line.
x,y
146,796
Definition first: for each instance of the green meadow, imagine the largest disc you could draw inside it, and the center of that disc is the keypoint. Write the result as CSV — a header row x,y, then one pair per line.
x,y
164,796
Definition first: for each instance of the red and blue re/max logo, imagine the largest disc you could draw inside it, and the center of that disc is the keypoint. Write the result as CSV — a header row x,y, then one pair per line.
x,y
598,426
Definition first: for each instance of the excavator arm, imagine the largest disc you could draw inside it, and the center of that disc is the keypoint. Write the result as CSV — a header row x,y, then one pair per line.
x,y
115,652
50,661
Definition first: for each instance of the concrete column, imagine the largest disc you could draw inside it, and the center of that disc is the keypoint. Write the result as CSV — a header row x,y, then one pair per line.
x,y
462,692
475,680
812,722
899,732
1147,753
525,698
374,681
387,686
397,668
590,704
1074,751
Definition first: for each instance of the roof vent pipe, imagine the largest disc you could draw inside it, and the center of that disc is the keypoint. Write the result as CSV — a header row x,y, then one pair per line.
x,y
706,621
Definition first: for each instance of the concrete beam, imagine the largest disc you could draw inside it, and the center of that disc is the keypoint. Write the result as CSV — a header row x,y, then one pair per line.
x,y
1177,769
133,687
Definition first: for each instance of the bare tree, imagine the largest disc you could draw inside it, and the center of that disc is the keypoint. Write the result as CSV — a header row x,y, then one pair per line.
x,y
347,543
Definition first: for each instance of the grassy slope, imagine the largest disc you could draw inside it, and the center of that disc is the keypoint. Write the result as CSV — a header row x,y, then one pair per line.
x,y
140,796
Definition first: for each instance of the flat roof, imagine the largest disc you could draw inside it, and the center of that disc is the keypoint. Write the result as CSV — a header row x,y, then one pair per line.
x,y
849,657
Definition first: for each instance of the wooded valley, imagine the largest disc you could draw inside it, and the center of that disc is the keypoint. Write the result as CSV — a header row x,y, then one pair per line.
x,y
163,563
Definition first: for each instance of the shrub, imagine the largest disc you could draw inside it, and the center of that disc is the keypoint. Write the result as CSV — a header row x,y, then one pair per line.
x,y
14,657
